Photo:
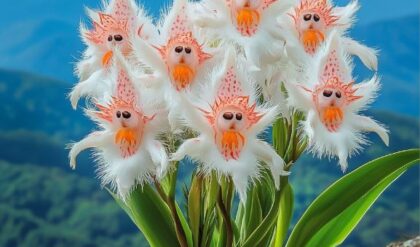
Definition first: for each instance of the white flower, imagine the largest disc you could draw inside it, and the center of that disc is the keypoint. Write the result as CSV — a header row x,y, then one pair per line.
x,y
250,24
311,22
126,146
112,29
228,121
332,104
180,61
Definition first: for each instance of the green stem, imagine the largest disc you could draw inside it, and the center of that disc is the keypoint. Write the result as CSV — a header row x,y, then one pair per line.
x,y
180,233
284,214
226,219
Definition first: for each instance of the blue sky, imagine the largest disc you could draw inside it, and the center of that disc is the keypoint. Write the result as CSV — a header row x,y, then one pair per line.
x,y
72,10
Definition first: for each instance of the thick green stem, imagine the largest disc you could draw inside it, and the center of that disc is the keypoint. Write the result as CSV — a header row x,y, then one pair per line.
x,y
170,201
284,214
226,218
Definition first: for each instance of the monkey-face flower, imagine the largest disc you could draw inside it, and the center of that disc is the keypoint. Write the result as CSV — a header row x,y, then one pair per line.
x,y
112,30
332,103
313,21
183,56
229,121
249,24
126,147
180,64
180,58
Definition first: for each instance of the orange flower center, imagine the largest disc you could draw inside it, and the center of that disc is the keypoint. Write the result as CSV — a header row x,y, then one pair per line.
x,y
332,117
311,39
182,75
232,143
247,17
106,58
127,139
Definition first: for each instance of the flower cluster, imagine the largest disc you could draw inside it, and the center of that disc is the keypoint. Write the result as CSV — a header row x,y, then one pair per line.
x,y
222,71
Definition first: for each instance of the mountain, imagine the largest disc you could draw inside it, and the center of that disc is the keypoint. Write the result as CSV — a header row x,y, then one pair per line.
x,y
398,45
38,119
43,206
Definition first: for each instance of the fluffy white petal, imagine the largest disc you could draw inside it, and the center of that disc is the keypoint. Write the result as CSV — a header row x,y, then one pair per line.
x,y
368,90
191,147
94,140
159,157
367,55
346,14
95,86
269,116
267,154
369,125
149,55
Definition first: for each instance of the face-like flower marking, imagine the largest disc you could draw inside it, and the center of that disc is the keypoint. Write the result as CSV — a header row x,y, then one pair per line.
x,y
330,99
312,20
125,117
182,56
231,116
246,14
113,30
182,53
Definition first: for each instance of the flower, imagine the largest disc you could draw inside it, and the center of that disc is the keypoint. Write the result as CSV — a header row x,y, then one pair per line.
x,y
126,146
332,103
180,62
251,25
312,21
229,121
112,29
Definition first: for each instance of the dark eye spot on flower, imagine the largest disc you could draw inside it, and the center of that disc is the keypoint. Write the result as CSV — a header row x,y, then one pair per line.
x,y
338,94
316,17
126,115
118,37
187,50
179,49
239,116
110,38
307,17
118,114
228,115
327,93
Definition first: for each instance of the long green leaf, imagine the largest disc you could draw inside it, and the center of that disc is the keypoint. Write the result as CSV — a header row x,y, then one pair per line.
x,y
263,229
195,208
151,216
348,199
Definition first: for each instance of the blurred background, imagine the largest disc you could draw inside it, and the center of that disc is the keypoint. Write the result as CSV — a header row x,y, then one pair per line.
x,y
44,203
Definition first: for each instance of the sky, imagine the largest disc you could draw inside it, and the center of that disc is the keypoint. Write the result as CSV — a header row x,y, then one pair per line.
x,y
43,34
72,10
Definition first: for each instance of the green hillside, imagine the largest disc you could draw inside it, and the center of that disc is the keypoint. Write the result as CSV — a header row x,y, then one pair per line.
x,y
48,207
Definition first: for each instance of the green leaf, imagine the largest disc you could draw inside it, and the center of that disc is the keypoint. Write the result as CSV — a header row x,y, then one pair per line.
x,y
185,226
194,208
254,215
151,216
285,213
266,225
335,213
